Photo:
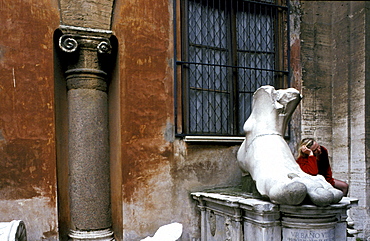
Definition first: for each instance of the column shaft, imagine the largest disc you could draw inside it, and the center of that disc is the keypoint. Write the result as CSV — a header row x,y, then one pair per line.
x,y
88,136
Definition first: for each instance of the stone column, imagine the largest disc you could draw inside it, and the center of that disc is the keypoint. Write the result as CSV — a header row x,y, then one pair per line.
x,y
85,55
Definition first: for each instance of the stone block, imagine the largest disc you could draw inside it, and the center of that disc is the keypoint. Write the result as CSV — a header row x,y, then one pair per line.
x,y
229,216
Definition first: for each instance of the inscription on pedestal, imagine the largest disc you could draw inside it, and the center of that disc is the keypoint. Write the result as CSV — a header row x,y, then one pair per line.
x,y
308,235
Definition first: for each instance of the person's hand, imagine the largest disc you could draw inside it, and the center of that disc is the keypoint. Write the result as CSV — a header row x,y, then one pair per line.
x,y
306,150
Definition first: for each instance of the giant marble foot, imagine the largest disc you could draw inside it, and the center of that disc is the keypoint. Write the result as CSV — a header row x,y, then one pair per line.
x,y
267,157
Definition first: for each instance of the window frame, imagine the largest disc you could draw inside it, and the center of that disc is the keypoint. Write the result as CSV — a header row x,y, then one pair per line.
x,y
281,69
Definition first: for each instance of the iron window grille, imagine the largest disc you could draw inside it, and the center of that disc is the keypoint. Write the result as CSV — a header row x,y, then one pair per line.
x,y
225,50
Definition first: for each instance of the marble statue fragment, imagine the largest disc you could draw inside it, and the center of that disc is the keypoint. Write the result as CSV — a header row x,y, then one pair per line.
x,y
266,156
13,231
169,232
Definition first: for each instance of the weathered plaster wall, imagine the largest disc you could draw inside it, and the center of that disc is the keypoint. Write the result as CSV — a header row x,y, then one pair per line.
x,y
334,87
198,167
27,144
143,32
158,171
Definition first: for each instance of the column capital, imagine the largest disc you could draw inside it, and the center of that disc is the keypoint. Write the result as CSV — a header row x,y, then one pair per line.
x,y
86,58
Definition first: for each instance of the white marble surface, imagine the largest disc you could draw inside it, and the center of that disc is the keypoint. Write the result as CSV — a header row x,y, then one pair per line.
x,y
266,156
13,231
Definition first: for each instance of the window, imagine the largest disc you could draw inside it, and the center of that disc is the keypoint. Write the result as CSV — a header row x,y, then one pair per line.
x,y
226,49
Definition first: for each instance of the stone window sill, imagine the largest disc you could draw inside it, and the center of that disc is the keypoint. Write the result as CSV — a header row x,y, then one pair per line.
x,y
214,139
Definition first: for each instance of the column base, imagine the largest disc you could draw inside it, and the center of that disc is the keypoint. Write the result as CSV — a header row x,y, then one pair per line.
x,y
99,235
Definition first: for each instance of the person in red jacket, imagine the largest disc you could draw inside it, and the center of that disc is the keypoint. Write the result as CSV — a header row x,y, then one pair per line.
x,y
314,159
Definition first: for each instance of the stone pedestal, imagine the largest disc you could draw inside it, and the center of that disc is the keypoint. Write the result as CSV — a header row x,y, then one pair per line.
x,y
239,217
308,222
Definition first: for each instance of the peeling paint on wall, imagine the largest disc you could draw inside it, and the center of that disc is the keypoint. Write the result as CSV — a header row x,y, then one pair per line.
x,y
27,151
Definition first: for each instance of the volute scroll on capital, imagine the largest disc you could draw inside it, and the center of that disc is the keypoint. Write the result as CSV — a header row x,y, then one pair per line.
x,y
69,43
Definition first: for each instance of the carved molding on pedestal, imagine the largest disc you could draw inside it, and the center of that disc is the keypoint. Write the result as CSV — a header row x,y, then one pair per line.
x,y
212,223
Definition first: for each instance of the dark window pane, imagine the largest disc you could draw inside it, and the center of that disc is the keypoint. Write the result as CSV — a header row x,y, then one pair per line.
x,y
231,51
